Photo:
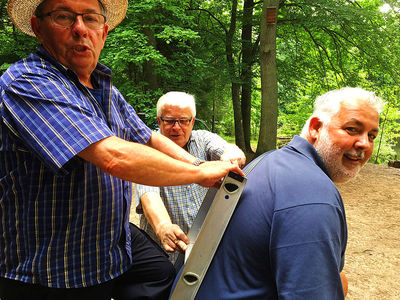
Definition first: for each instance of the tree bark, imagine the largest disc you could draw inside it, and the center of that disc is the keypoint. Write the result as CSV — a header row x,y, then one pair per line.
x,y
149,70
213,115
235,84
247,74
269,86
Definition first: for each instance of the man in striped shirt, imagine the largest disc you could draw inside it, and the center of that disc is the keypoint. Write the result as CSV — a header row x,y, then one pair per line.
x,y
69,147
168,212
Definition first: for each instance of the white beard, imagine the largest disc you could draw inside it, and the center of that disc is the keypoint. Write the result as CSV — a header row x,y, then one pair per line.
x,y
332,157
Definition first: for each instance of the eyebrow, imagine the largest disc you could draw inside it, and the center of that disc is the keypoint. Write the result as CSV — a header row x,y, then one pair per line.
x,y
358,123
88,10
181,118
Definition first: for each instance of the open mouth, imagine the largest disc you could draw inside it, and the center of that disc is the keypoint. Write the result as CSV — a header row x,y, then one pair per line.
x,y
354,157
80,48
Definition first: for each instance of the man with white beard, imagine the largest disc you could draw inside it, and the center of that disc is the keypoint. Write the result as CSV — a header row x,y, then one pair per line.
x,y
341,156
288,234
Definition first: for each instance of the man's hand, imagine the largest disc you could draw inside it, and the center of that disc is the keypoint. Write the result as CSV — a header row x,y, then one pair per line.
x,y
234,155
172,237
214,171
345,283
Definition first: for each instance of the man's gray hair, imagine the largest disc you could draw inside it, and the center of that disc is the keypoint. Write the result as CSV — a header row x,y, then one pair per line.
x,y
328,104
179,99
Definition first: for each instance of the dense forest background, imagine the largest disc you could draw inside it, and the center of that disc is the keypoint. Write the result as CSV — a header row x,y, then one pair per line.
x,y
255,67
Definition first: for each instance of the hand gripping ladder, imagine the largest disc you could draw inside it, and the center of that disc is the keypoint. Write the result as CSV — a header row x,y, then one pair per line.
x,y
207,231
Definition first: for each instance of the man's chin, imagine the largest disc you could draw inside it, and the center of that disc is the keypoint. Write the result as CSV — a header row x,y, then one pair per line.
x,y
345,174
178,141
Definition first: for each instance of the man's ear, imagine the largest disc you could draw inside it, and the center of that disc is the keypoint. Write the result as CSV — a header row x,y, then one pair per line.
x,y
159,122
314,129
105,32
35,24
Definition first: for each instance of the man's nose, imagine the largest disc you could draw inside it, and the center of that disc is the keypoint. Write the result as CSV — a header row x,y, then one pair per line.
x,y
363,141
176,125
79,25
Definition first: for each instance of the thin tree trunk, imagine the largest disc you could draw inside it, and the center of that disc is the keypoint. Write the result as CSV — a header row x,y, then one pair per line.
x,y
247,74
237,114
235,85
149,74
269,86
213,115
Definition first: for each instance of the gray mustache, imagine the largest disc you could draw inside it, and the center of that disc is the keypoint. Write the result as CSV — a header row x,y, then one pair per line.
x,y
360,155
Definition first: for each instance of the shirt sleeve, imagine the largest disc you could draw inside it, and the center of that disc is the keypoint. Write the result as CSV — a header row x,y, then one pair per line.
x,y
50,119
140,190
212,144
139,131
307,252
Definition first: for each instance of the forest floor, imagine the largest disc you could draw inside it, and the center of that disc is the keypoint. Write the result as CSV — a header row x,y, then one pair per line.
x,y
372,204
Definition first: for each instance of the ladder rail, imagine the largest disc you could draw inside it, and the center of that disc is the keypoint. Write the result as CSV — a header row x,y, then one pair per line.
x,y
207,231
208,238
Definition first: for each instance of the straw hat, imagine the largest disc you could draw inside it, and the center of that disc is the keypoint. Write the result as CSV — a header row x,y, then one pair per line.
x,y
21,11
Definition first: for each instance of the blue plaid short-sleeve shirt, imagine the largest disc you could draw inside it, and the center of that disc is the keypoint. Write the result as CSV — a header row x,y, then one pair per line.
x,y
183,202
63,221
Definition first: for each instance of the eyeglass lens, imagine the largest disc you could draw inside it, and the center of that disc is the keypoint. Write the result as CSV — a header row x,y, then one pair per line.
x,y
181,122
66,19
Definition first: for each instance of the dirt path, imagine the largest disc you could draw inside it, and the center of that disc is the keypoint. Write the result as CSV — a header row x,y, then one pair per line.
x,y
372,204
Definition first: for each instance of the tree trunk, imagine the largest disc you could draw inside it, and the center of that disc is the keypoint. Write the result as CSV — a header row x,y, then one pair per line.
x,y
235,83
149,74
213,114
237,114
247,75
269,86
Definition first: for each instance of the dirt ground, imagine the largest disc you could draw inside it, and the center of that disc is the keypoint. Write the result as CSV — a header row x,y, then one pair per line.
x,y
372,203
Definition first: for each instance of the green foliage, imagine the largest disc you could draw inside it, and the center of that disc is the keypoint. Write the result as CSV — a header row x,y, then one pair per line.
x,y
387,144
154,39
14,45
324,45
165,45
291,121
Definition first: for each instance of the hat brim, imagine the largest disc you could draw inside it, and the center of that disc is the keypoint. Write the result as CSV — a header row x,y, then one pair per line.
x,y
21,12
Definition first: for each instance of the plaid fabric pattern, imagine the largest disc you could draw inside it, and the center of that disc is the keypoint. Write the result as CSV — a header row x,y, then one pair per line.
x,y
63,221
183,202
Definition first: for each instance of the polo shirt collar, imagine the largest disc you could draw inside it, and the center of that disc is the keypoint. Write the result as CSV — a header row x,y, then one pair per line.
x,y
304,147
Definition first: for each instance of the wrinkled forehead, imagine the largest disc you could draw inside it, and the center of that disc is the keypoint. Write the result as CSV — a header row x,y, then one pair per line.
x,y
359,112
176,111
94,5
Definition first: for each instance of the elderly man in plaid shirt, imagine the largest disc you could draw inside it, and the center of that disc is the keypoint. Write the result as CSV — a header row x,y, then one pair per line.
x,y
168,212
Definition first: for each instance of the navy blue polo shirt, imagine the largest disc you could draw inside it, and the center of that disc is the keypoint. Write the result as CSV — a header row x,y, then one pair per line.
x,y
287,236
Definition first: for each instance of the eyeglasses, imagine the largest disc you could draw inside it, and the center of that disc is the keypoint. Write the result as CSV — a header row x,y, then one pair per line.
x,y
66,18
181,122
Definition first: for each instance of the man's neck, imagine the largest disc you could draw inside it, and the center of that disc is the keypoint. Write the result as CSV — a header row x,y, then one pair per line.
x,y
87,82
